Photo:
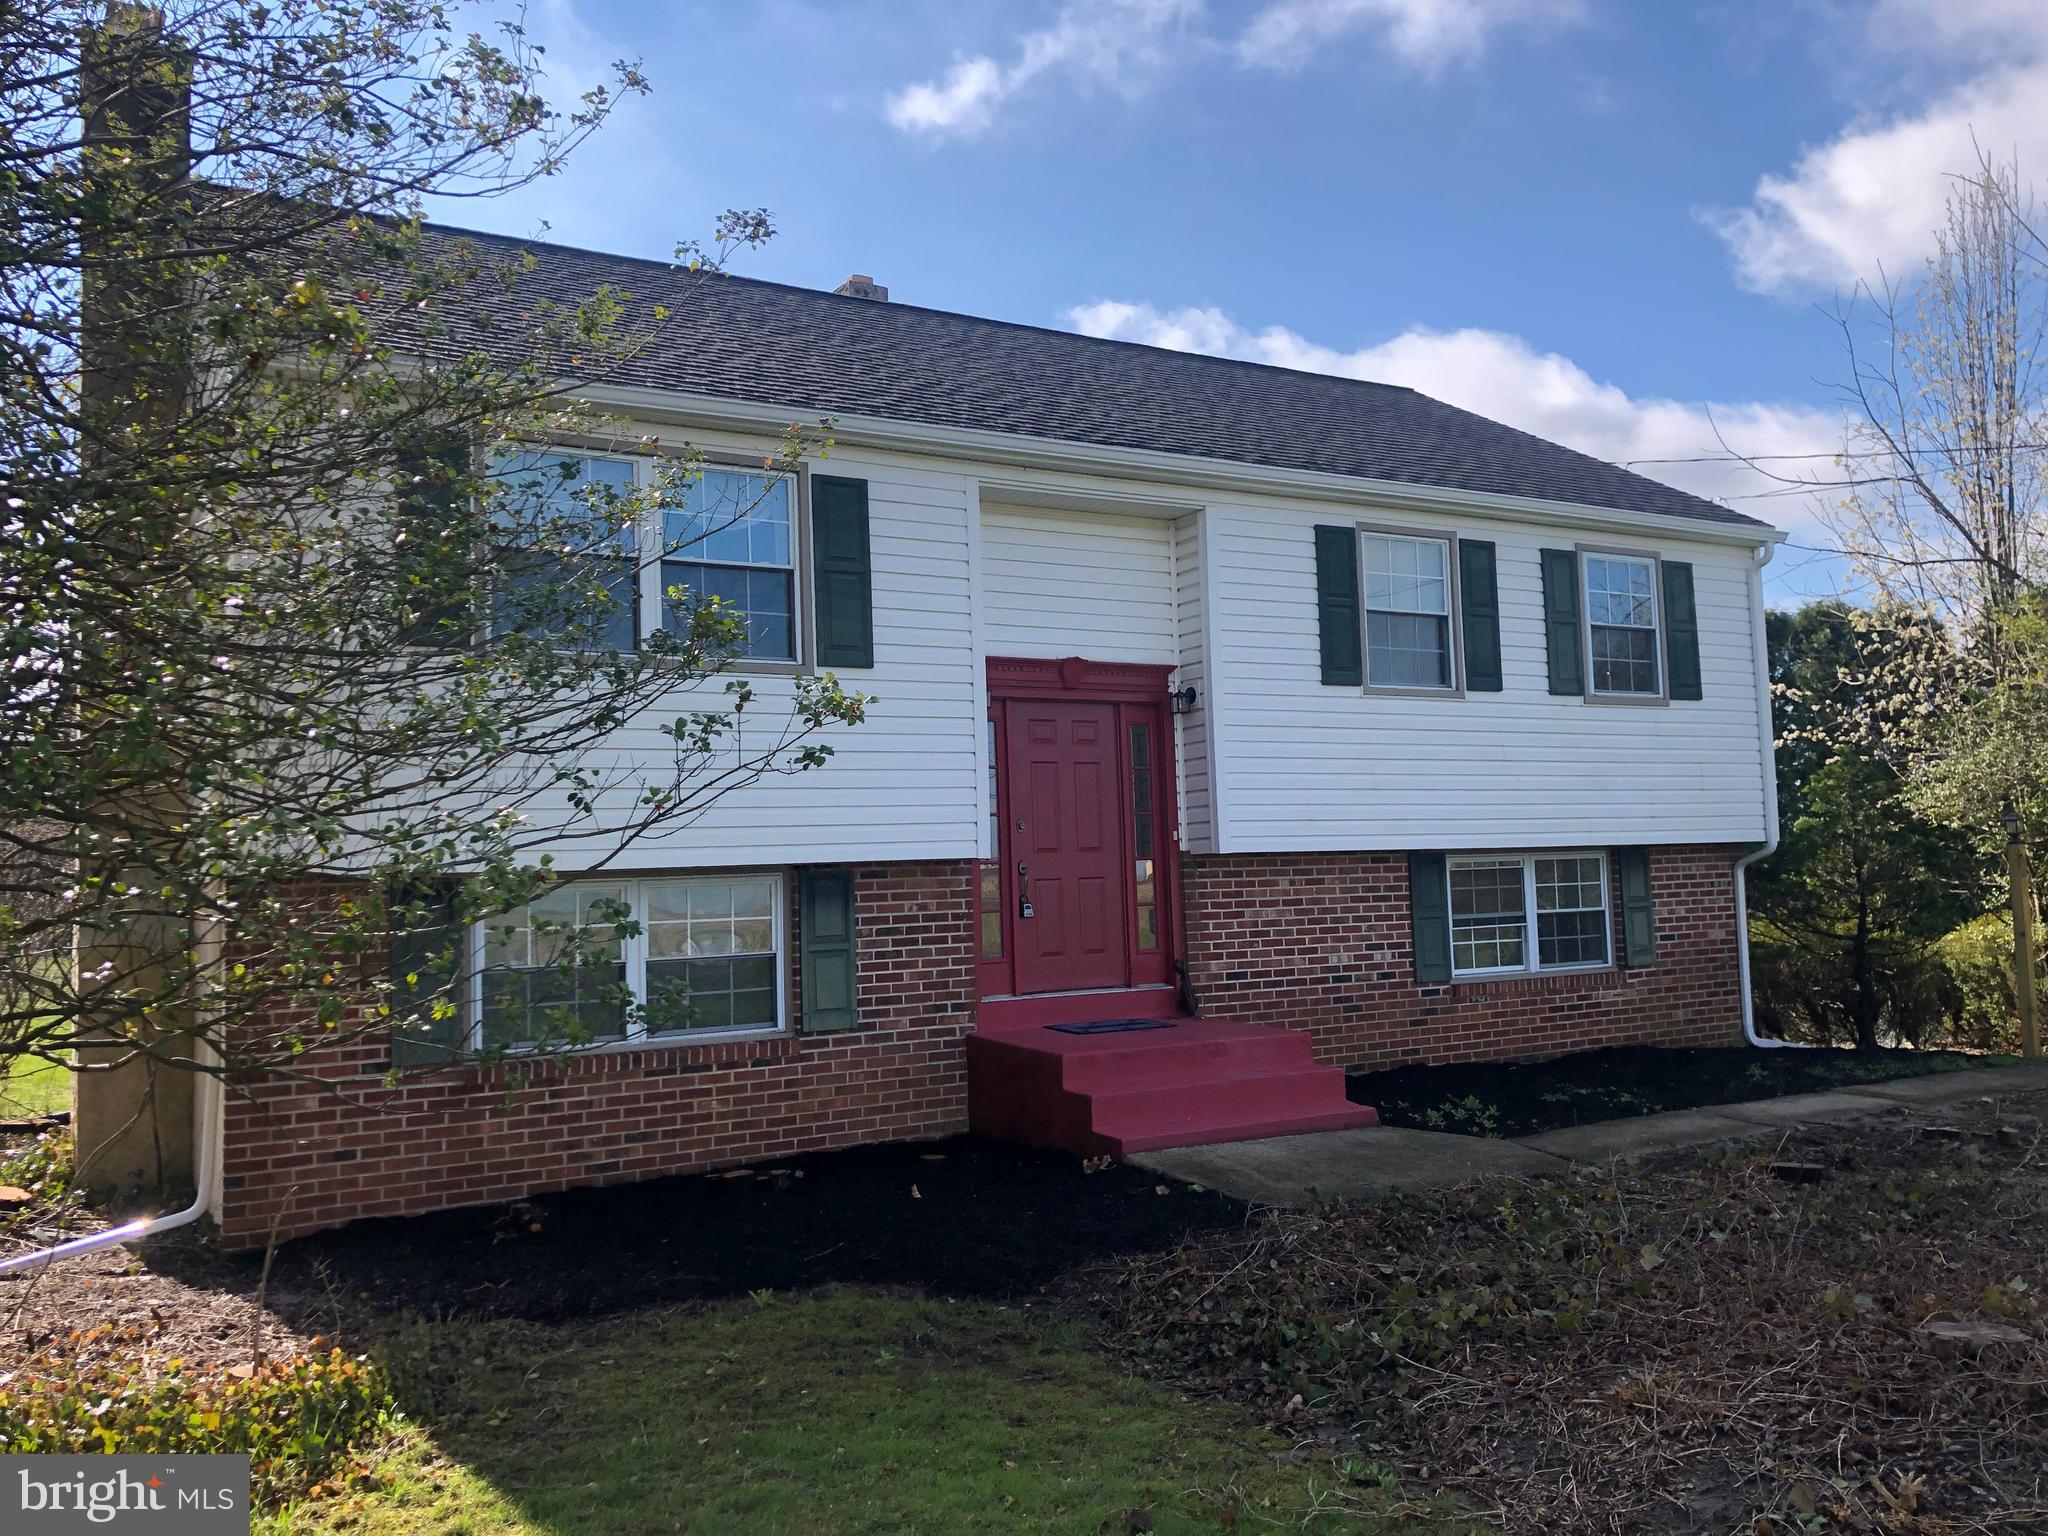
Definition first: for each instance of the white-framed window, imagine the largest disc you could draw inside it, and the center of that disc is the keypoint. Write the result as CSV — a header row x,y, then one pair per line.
x,y
1408,592
734,538
708,959
1514,913
1622,644
558,504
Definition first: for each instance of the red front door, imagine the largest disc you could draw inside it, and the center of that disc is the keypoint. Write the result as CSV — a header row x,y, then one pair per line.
x,y
1066,840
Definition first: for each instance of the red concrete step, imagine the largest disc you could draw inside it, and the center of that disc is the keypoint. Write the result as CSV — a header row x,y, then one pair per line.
x,y
1237,1096
1165,1058
1203,1080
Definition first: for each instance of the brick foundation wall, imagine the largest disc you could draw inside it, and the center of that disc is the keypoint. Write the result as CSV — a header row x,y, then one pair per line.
x,y
1316,942
1320,942
301,1155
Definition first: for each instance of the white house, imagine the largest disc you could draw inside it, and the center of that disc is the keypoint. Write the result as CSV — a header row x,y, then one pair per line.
x,y
1234,725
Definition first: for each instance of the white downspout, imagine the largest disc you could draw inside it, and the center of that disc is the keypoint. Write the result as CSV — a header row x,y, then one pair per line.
x,y
206,1096
1768,742
208,1101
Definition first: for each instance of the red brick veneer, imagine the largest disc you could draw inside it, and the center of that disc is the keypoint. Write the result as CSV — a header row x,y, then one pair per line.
x,y
304,1154
1321,942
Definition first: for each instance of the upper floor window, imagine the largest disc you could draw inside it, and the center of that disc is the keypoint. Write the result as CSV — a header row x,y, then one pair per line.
x,y
734,539
1407,611
569,547
1621,625
574,555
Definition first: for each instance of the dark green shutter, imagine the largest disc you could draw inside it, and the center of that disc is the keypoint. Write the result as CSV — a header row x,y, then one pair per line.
x,y
1337,606
1638,915
1561,621
825,914
433,483
1429,914
1681,630
842,572
426,967
1479,604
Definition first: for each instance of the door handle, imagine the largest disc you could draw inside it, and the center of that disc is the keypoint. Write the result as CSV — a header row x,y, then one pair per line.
x,y
1024,890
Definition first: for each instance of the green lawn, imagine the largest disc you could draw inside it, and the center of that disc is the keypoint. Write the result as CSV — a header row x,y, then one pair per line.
x,y
31,1087
834,1411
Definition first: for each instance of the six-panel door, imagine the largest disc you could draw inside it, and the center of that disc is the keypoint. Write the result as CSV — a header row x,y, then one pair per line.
x,y
1067,843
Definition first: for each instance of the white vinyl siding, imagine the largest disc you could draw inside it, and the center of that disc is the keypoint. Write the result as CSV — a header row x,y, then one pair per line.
x,y
1269,761
903,784
1304,767
1077,584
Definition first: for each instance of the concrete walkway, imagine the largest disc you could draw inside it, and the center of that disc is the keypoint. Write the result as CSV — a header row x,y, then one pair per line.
x,y
1380,1160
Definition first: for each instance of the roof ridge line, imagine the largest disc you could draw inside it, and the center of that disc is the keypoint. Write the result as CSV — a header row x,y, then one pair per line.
x,y
926,309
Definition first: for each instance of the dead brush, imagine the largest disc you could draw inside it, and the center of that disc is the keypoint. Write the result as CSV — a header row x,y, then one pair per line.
x,y
1688,1346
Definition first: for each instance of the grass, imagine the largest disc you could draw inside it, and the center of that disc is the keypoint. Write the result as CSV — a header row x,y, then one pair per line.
x,y
32,1087
835,1410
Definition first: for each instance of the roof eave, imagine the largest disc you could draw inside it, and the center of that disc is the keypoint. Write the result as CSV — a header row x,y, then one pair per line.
x,y
1016,449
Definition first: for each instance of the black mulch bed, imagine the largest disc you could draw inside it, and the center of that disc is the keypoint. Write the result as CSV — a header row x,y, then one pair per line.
x,y
1522,1099
961,1217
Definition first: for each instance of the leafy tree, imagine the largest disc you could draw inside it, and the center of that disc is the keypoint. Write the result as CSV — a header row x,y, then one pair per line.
x,y
1852,908
282,604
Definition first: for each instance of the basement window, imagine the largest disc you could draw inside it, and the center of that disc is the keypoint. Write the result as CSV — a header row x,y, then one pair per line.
x,y
599,962
1519,913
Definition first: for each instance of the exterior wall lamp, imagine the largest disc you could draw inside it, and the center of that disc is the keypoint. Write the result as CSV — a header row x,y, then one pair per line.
x,y
1184,700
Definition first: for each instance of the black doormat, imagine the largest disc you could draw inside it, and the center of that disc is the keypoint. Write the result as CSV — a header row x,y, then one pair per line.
x,y
1111,1026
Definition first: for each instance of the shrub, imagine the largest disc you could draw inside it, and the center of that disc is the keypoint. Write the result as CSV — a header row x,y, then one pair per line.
x,y
1979,956
297,1419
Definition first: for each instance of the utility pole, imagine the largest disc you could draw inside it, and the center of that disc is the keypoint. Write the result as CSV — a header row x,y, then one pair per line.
x,y
2018,866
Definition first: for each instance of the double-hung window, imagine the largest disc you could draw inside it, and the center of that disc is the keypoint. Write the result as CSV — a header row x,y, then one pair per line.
x,y
569,547
1408,591
734,539
596,961
1621,626
1528,912
711,954
554,972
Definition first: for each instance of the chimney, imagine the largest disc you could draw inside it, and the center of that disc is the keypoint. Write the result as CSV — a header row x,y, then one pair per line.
x,y
861,286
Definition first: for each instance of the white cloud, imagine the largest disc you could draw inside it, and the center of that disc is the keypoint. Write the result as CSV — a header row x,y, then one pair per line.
x,y
1503,377
1427,34
1127,45
1120,44
1873,194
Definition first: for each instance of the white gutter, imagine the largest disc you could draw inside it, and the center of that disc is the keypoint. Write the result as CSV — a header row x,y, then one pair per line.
x,y
1151,466
1767,739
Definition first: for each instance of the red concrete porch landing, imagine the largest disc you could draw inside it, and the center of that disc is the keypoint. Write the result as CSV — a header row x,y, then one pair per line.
x,y
1202,1081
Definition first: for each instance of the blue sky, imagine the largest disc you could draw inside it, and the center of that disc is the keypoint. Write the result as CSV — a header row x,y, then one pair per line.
x,y
1608,221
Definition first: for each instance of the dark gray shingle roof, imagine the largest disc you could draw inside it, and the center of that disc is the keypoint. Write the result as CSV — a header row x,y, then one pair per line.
x,y
821,354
